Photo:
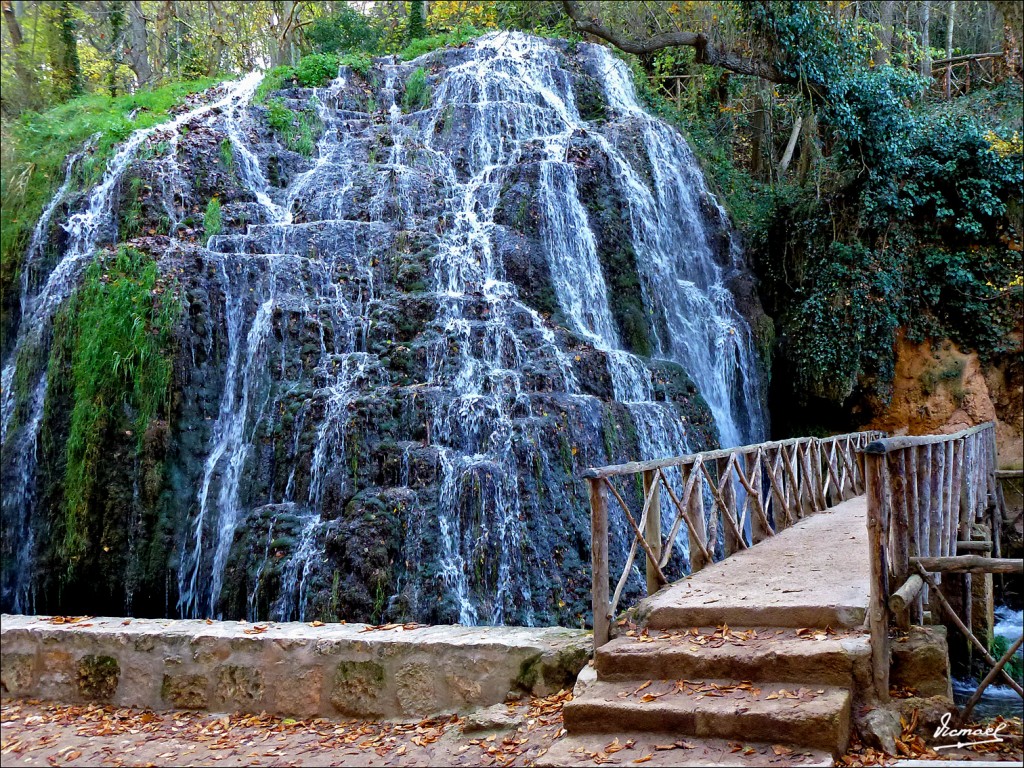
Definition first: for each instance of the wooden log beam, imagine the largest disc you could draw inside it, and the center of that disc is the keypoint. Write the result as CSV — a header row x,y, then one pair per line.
x,y
886,444
905,595
974,546
969,564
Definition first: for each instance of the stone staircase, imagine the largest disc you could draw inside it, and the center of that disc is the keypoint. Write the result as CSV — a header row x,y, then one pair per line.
x,y
779,691
770,691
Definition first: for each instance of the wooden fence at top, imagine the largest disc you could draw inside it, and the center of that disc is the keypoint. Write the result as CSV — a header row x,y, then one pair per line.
x,y
924,496
753,492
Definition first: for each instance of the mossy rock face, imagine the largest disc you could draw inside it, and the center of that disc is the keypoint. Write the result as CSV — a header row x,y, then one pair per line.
x,y
98,677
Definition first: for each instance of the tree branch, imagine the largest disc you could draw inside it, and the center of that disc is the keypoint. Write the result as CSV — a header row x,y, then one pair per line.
x,y
706,51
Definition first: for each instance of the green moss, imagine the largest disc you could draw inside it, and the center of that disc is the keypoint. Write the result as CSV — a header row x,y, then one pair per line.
x,y
35,148
227,154
130,224
212,222
117,328
417,91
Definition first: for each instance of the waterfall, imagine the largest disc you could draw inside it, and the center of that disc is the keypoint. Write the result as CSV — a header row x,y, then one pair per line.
x,y
418,341
86,229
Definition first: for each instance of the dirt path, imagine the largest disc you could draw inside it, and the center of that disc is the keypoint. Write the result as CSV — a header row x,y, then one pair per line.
x,y
38,734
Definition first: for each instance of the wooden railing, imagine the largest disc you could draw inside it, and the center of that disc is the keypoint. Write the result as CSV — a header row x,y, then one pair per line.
x,y
727,500
957,75
924,496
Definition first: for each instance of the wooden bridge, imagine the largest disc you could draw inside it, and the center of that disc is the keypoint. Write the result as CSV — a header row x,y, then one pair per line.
x,y
786,569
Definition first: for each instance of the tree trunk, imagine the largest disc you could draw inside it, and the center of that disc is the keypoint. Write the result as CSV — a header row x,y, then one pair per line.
x,y
757,132
885,32
22,70
1013,32
808,148
138,44
949,47
926,57
63,49
787,156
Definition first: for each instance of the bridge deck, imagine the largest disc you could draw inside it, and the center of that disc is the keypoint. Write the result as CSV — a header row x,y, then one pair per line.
x,y
814,574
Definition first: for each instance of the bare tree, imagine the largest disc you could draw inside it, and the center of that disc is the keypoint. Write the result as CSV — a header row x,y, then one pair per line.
x,y
138,44
926,57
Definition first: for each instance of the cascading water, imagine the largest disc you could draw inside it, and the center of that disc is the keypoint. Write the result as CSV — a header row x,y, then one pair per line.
x,y
85,230
405,348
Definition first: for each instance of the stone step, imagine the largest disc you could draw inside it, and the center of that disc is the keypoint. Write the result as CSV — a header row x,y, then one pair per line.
x,y
670,749
816,717
765,654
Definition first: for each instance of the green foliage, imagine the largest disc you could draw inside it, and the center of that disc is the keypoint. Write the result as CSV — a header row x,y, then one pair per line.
x,y
1015,666
35,147
458,36
345,31
316,70
117,328
227,154
298,130
416,29
417,91
274,80
914,235
212,224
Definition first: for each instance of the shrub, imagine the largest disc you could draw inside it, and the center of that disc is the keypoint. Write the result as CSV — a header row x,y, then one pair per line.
x,y
212,224
417,91
316,70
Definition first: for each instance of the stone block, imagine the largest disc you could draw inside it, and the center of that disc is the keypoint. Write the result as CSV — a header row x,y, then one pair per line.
x,y
921,662
239,688
185,691
17,673
358,688
418,692
98,677
297,692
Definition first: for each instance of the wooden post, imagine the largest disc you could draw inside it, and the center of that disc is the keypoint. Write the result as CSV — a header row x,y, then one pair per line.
x,y
807,496
878,614
599,560
696,527
728,494
759,527
914,525
652,530
901,524
780,513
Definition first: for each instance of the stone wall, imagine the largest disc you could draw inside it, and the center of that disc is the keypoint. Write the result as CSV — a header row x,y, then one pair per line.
x,y
296,669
